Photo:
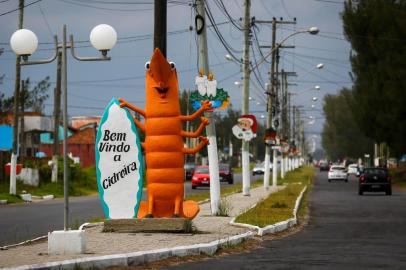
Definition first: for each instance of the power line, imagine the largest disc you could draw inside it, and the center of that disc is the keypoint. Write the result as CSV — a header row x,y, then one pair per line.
x,y
11,11
285,9
126,39
217,32
104,8
45,19
223,9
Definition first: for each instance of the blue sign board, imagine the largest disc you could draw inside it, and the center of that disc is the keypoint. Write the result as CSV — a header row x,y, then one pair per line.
x,y
6,137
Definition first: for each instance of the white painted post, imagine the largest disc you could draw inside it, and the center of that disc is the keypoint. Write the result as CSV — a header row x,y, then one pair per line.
x,y
13,174
274,169
267,170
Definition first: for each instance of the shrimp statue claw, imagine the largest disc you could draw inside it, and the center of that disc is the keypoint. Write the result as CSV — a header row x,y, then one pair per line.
x,y
163,145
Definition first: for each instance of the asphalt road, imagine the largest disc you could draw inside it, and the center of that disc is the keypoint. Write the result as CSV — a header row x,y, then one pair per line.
x,y
21,222
345,231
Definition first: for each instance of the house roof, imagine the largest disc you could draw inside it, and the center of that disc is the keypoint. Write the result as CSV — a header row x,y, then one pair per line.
x,y
7,118
84,136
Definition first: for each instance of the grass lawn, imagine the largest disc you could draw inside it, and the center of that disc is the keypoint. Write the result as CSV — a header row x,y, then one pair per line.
x,y
83,184
279,206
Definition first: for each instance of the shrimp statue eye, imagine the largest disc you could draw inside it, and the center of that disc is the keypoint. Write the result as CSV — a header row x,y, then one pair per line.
x,y
147,65
172,64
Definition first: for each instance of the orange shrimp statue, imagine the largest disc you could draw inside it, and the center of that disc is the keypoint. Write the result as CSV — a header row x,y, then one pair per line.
x,y
163,146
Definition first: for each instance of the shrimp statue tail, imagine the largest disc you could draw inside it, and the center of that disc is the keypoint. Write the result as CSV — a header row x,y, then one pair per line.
x,y
189,209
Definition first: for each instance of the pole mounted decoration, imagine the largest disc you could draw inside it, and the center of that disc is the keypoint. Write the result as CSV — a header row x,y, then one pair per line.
x,y
246,128
207,91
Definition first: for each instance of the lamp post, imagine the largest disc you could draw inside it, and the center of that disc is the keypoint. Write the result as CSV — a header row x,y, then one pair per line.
x,y
24,43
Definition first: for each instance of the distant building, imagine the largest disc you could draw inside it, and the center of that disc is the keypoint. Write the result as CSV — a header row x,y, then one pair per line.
x,y
34,124
81,143
80,121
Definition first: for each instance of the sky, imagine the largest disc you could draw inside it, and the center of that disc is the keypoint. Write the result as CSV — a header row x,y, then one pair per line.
x,y
92,84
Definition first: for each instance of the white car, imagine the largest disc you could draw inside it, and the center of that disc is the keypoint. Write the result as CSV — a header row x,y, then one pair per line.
x,y
337,173
260,168
352,169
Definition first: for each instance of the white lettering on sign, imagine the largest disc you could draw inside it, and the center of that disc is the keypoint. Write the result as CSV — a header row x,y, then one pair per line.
x,y
119,163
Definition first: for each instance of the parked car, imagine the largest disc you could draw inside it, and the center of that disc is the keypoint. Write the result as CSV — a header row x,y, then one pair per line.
x,y
352,169
201,177
226,173
337,172
375,180
189,169
260,168
324,166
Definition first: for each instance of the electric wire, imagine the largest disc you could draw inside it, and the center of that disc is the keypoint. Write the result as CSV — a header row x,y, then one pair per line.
x,y
13,10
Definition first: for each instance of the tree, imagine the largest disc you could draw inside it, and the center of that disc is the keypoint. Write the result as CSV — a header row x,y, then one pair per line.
x,y
376,30
32,99
341,136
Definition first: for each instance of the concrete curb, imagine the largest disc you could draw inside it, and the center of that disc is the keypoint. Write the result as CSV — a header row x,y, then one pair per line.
x,y
140,257
277,227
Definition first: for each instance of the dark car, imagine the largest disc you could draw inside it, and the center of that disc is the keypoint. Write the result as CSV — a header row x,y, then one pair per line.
x,y
189,169
201,177
324,166
375,180
226,174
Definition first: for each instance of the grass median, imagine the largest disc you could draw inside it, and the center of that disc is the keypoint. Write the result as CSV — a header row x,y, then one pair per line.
x,y
83,183
279,206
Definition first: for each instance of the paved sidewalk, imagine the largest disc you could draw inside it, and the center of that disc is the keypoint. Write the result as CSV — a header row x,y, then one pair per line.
x,y
98,243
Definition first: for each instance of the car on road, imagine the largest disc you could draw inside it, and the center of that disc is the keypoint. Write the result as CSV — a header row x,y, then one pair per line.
x,y
337,172
226,173
260,168
189,169
352,169
375,180
201,177
324,166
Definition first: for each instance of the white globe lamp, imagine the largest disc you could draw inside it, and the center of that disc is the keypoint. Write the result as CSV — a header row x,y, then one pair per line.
x,y
103,37
24,42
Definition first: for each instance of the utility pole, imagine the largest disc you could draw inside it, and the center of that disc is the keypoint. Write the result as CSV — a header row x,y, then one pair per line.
x,y
285,116
210,128
271,96
160,25
14,154
22,98
245,97
284,91
271,92
57,111
293,134
297,134
275,109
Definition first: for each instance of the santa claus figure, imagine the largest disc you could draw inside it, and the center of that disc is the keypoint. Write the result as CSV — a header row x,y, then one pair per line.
x,y
246,128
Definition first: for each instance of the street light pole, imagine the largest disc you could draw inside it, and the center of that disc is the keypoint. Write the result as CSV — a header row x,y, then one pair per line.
x,y
65,132
103,37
